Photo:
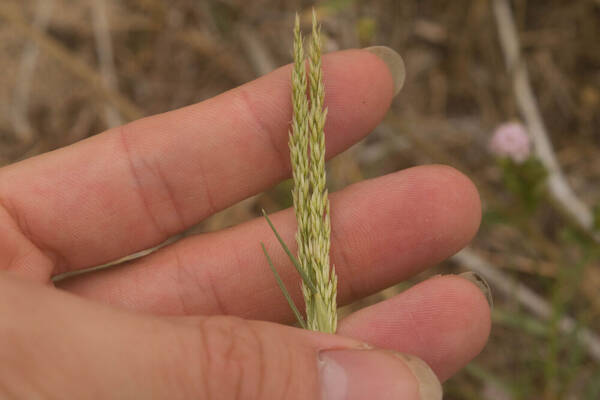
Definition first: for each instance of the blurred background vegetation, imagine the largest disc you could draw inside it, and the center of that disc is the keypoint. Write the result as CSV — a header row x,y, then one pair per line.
x,y
71,69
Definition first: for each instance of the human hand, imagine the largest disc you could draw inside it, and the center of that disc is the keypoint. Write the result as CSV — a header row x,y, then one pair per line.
x,y
179,323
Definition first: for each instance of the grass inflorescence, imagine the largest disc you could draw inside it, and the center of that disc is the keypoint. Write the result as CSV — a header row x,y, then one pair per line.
x,y
310,196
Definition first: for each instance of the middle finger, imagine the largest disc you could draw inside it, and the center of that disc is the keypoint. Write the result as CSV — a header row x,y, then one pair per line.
x,y
383,231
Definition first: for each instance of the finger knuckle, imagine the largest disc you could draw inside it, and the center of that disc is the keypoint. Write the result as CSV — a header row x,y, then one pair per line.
x,y
236,358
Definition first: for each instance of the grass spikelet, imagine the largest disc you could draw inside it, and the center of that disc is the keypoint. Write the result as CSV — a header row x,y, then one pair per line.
x,y
310,196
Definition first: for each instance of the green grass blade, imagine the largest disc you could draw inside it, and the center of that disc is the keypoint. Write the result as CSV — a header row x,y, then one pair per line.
x,y
286,294
305,278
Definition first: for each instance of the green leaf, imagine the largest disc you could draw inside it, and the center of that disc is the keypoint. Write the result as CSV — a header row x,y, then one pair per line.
x,y
286,294
305,278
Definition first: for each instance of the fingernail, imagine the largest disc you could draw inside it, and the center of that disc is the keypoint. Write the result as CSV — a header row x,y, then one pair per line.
x,y
376,374
394,62
481,283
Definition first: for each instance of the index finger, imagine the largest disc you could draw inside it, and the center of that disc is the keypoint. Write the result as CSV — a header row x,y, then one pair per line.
x,y
132,187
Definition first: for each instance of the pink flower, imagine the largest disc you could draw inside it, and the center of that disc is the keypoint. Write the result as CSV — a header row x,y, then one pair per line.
x,y
511,140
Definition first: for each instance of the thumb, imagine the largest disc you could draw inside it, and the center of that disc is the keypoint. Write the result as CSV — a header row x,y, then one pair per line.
x,y
54,342
238,359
